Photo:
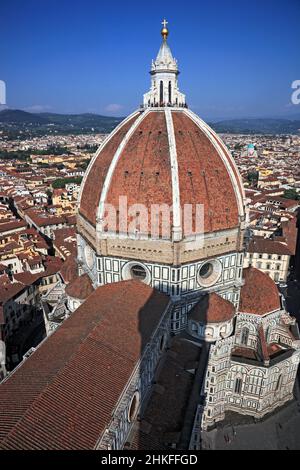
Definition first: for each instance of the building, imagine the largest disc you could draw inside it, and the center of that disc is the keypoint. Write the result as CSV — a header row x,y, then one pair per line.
x,y
250,151
165,332
20,311
253,371
270,256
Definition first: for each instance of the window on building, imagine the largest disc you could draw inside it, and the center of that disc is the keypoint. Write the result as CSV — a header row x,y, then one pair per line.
x,y
278,383
279,257
245,335
206,270
268,266
238,386
269,256
260,256
138,272
170,93
161,93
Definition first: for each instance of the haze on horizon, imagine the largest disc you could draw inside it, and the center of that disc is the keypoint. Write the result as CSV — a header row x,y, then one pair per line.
x,y
237,59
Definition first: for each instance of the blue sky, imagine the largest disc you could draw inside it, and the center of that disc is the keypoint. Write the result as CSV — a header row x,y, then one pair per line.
x,y
237,58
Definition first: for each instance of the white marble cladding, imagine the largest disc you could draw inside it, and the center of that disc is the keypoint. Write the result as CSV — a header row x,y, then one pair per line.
x,y
179,318
210,332
247,389
87,261
138,387
174,281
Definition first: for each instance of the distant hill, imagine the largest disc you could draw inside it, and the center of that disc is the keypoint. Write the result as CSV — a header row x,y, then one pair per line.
x,y
257,126
16,116
49,122
43,123
81,120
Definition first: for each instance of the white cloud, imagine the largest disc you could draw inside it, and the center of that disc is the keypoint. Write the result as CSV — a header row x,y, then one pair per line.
x,y
38,108
113,108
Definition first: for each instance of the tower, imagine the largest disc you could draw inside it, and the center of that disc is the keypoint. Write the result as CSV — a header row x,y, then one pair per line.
x,y
164,77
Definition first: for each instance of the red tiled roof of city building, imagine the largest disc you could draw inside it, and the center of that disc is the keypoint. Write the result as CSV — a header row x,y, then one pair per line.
x,y
266,245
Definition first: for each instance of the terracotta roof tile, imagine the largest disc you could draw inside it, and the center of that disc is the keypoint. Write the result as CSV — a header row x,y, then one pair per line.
x,y
95,179
203,177
143,171
259,294
212,308
80,288
64,394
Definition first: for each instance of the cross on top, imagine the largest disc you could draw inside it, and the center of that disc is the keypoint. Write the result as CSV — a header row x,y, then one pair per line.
x,y
164,23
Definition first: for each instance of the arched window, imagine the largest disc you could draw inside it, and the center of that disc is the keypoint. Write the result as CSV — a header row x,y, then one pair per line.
x,y
170,93
161,93
278,383
238,386
245,335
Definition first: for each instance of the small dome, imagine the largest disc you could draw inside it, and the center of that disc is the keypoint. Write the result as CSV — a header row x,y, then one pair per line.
x,y
80,288
212,308
259,294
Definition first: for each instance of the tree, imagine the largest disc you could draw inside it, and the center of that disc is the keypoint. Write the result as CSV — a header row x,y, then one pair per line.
x,y
252,176
61,182
291,194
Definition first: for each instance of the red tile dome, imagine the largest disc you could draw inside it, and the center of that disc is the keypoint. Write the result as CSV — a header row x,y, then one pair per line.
x,y
212,308
259,294
165,156
80,288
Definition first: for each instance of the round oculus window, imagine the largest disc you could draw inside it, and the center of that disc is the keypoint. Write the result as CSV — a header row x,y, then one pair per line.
x,y
138,272
209,273
206,270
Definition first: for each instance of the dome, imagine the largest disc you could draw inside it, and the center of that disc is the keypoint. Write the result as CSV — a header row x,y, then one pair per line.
x,y
259,294
80,288
164,156
212,308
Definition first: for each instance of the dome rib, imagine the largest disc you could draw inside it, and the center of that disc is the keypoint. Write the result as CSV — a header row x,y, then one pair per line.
x,y
177,223
114,162
94,177
147,152
228,161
